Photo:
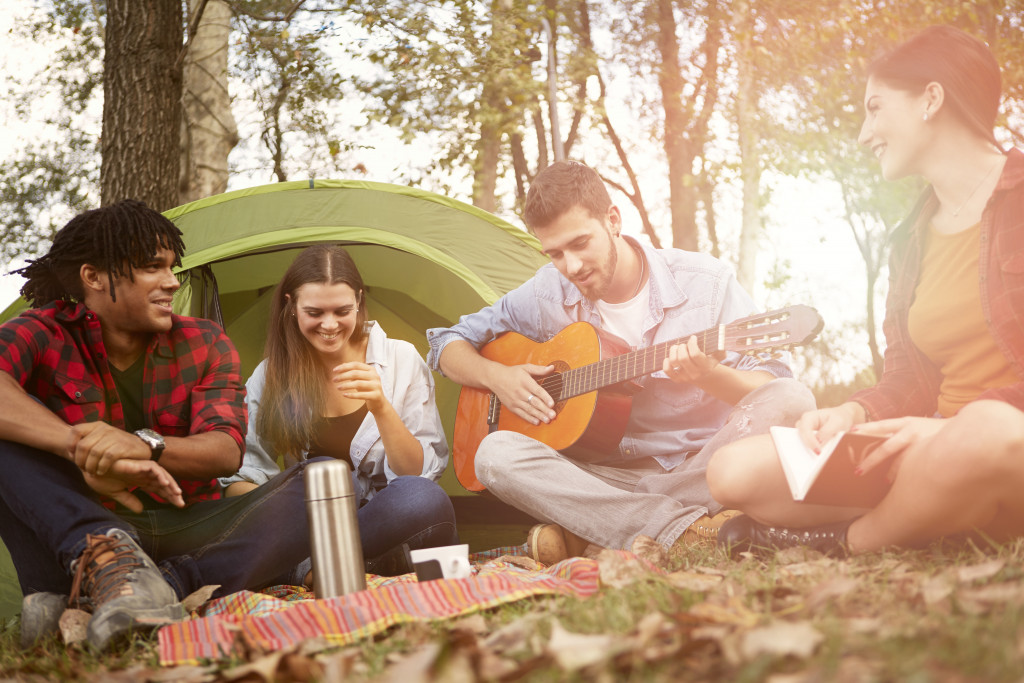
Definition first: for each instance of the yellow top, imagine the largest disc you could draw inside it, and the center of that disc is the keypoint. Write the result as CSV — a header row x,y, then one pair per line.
x,y
947,324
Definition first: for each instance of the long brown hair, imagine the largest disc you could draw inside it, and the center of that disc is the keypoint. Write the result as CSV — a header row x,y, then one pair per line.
x,y
962,64
294,398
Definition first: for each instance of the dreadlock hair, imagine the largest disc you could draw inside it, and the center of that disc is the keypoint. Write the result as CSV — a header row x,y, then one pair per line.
x,y
294,397
114,239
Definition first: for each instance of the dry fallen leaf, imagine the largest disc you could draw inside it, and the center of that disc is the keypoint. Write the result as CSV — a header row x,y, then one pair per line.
x,y
513,636
184,674
936,591
796,554
264,668
649,550
618,569
416,666
574,651
826,592
980,572
733,612
519,561
822,565
694,581
73,625
981,600
338,666
475,623
781,639
198,598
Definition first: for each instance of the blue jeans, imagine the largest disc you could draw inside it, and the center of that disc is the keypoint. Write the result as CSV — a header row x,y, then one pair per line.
x,y
248,542
410,510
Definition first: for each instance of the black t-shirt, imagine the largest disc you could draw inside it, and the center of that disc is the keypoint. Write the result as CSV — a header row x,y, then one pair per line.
x,y
334,435
129,390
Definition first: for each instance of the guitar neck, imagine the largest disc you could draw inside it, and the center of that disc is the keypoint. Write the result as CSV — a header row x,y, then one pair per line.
x,y
638,363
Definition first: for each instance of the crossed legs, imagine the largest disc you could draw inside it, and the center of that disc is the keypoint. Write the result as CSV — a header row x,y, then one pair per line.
x,y
965,478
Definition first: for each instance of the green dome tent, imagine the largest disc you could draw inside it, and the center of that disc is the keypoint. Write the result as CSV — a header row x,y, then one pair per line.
x,y
425,259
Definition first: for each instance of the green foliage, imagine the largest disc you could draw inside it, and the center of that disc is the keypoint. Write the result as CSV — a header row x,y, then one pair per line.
x,y
56,173
282,60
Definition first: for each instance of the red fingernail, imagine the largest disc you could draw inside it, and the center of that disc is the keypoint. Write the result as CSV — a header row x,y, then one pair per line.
x,y
858,471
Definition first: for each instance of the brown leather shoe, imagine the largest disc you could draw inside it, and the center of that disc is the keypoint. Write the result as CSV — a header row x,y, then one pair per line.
x,y
550,543
705,529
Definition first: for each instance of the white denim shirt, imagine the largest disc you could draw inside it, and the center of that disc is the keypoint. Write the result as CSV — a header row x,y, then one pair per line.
x,y
689,293
407,385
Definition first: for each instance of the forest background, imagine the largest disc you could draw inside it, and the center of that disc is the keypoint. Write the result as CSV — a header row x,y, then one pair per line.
x,y
726,126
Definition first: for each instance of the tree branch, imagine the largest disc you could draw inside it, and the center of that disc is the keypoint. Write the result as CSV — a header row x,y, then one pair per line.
x,y
193,26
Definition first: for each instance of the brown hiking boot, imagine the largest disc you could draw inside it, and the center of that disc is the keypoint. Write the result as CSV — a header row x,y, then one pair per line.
x,y
127,591
705,529
550,543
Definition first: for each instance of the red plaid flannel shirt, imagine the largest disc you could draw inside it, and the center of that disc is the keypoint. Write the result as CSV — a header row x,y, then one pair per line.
x,y
910,382
191,385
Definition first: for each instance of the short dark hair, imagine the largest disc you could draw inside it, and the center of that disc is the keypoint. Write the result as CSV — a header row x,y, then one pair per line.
x,y
115,239
561,186
962,64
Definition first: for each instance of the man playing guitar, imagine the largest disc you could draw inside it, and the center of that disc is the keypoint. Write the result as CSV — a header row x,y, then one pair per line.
x,y
652,482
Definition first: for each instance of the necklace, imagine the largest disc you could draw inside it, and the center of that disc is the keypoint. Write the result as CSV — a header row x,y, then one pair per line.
x,y
956,212
643,270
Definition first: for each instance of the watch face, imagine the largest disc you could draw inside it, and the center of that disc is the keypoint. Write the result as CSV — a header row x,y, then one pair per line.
x,y
152,439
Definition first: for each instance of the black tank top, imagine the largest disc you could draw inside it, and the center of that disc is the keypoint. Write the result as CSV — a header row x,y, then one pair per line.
x,y
334,435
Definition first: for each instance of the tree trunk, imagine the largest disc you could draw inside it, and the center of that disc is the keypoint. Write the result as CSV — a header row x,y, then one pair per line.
x,y
750,159
682,189
489,116
208,126
142,102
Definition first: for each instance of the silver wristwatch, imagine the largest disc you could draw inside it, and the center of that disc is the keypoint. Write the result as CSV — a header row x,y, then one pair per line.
x,y
154,441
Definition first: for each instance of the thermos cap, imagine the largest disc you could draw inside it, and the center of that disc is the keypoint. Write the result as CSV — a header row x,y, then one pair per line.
x,y
328,479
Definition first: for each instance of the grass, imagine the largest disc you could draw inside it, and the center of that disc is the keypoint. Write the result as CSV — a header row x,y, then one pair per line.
x,y
941,614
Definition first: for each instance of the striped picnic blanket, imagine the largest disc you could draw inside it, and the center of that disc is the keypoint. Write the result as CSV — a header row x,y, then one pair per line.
x,y
283,616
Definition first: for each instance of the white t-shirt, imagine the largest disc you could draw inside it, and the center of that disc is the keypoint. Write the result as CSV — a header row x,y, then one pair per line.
x,y
625,320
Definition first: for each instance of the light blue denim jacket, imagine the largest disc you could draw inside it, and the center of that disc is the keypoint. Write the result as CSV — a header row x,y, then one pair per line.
x,y
407,385
690,292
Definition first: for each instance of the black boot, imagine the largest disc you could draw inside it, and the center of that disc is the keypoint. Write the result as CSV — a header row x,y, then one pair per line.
x,y
742,533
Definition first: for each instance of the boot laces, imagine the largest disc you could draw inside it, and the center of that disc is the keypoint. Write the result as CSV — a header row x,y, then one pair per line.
x,y
95,584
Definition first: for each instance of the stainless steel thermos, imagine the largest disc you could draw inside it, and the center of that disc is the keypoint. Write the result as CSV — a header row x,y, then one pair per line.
x,y
333,529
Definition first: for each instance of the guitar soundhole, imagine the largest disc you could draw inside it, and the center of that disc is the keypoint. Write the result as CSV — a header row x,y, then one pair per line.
x,y
553,383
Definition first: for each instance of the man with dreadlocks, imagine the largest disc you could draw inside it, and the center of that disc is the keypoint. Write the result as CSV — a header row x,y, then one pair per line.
x,y
118,417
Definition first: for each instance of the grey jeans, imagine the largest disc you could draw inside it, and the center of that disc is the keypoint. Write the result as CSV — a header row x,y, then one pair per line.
x,y
611,503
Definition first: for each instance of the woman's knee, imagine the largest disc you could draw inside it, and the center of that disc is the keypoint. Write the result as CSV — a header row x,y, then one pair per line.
x,y
425,498
736,471
987,440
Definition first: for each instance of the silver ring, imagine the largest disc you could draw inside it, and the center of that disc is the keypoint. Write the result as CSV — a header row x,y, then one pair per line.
x,y
530,400
677,368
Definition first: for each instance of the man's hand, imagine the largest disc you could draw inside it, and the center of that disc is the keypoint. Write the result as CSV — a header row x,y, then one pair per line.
x,y
517,388
96,446
687,363
144,474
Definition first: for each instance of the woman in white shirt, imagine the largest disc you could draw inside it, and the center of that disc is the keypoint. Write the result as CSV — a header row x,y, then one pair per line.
x,y
334,385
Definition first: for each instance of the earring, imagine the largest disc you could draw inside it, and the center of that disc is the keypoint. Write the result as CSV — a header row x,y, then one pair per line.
x,y
925,117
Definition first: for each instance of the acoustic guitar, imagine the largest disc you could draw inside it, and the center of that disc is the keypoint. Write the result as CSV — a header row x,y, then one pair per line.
x,y
591,383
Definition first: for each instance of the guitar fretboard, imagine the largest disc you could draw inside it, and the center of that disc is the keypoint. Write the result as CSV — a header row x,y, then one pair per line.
x,y
604,373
